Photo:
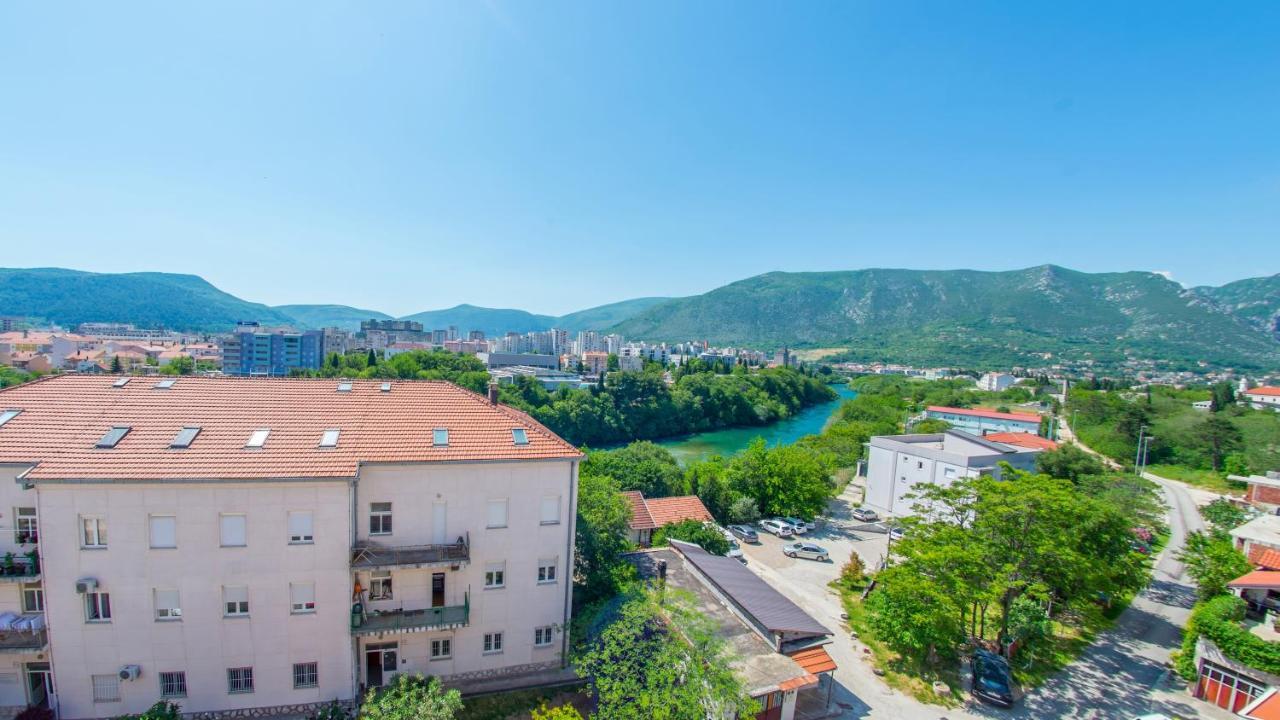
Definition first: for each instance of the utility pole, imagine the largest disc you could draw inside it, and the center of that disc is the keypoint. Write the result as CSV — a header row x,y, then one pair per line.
x,y
1137,456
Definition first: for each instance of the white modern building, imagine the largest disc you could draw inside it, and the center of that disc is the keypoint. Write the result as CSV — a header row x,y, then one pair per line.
x,y
981,421
898,464
996,382
271,544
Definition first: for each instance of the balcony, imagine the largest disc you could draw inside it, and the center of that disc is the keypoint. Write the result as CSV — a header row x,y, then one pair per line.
x,y
21,569
22,633
374,556
400,622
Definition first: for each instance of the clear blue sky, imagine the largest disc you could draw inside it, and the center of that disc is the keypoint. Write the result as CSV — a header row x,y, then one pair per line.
x,y
553,156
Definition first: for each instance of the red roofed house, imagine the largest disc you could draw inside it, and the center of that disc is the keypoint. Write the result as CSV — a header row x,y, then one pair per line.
x,y
1027,440
1225,676
267,545
650,514
981,422
1263,397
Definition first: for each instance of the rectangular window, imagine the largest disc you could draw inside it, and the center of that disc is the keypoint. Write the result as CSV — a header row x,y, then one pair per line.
x,y
258,438
106,688
25,528
542,636
300,527
97,607
492,643
8,415
32,598
440,437
113,437
93,532
240,680
164,531
168,605
441,648
551,510
235,601
233,528
302,598
495,575
519,436
306,675
497,517
380,585
329,439
173,684
547,571
185,437
380,518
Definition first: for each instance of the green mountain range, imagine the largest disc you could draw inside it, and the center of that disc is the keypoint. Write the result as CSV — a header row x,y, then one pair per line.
x,y
971,318
1255,300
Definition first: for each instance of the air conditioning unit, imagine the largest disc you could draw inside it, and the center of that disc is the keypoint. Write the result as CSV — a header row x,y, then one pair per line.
x,y
130,672
86,585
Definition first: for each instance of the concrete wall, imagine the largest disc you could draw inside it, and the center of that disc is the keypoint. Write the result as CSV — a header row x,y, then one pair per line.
x,y
893,473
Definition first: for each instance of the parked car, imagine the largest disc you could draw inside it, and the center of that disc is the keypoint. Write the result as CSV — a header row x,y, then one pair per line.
x,y
776,527
992,681
801,526
865,514
735,552
744,533
897,533
805,550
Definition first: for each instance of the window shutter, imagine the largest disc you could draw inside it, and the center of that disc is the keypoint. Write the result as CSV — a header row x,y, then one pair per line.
x,y
164,531
550,509
233,530
497,513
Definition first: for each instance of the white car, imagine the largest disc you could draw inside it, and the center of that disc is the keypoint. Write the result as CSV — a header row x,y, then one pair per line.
x,y
800,526
805,550
897,533
735,552
777,527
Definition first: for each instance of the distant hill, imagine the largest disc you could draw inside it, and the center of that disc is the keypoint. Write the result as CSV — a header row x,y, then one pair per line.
x,y
322,316
968,317
599,318
146,299
1255,300
494,322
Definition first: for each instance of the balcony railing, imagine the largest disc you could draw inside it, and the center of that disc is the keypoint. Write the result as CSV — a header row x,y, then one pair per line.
x,y
407,621
371,555
21,569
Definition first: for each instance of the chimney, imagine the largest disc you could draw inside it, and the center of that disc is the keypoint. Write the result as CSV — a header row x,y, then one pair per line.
x,y
493,392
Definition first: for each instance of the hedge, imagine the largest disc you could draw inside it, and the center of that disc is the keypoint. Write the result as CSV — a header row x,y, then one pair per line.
x,y
1219,620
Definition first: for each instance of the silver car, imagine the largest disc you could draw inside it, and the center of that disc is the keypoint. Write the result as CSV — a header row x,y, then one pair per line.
x,y
864,514
776,527
800,526
805,550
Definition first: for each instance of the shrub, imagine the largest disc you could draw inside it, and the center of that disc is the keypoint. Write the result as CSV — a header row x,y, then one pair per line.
x,y
854,572
411,697
1219,621
162,710
562,712
332,711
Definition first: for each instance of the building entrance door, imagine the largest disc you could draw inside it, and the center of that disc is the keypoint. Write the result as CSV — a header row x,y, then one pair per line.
x,y
437,590
39,685
380,663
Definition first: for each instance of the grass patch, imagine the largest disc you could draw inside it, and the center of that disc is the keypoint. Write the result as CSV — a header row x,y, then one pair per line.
x,y
1206,479
1073,631
911,676
515,704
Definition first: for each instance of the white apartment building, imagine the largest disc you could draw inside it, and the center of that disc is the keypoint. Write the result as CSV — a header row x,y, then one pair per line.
x,y
996,382
272,544
1262,397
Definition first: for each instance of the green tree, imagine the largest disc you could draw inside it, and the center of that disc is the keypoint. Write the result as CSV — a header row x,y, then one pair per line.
x,y
560,712
600,538
643,466
1216,436
372,359
411,697
743,510
116,365
1224,396
694,531
853,572
1212,561
785,480
1069,462
1223,514
931,425
915,614
611,364
181,365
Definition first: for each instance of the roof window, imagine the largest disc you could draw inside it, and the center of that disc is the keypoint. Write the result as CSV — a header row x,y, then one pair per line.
x,y
519,436
344,387
113,436
165,384
440,437
8,415
184,438
121,382
258,438
329,438
386,387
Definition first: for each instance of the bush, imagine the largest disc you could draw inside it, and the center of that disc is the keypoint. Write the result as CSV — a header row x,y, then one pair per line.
x,y
697,532
332,711
411,697
562,712
163,710
1219,621
854,572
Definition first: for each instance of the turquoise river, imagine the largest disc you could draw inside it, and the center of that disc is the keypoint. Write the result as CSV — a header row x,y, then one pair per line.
x,y
809,421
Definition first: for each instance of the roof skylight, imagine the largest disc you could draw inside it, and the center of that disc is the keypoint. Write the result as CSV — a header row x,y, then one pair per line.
x,y
386,387
165,384
184,438
440,437
8,415
344,387
329,438
519,436
258,438
113,436
121,382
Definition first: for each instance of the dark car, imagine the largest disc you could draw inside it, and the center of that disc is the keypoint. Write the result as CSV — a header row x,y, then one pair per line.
x,y
744,533
992,681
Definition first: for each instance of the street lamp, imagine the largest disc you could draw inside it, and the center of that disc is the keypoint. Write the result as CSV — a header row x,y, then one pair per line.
x,y
1137,457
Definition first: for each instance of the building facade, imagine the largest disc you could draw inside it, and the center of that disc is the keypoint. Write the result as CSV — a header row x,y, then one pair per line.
x,y
1263,397
273,543
981,421
255,351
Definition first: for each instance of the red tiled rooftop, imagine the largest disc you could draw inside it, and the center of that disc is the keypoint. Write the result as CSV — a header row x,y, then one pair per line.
x,y
64,416
640,517
1265,558
814,660
1258,579
651,513
1264,390
979,412
1022,439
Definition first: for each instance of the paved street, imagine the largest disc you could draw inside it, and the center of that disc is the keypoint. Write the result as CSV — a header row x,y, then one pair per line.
x,y
1123,675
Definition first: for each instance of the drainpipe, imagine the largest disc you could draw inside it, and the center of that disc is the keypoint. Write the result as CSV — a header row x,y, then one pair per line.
x,y
568,571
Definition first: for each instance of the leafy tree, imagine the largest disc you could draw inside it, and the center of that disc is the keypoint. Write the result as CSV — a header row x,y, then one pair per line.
x,y
695,531
612,364
931,425
372,359
1069,462
854,571
181,365
411,697
600,538
915,614
643,466
785,480
709,481
1216,436
1224,514
116,365
744,510
1212,561
560,712
1224,396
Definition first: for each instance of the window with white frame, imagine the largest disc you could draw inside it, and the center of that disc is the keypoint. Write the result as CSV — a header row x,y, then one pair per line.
x,y
106,688
301,527
306,675
234,529
551,510
164,531
25,528
380,518
97,607
492,643
235,601
32,598
240,680
495,575
441,648
173,684
497,515
547,570
380,585
302,598
542,636
168,605
93,532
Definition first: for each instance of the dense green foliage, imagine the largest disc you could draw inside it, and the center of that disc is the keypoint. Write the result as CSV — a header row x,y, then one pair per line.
x,y
162,710
693,531
642,466
411,697
987,547
969,318
1212,561
1068,462
1223,514
1220,620
600,539
11,376
464,370
660,659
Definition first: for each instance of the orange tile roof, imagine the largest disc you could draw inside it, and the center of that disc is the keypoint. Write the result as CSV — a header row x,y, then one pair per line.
x,y
651,513
63,416
799,683
1264,557
979,412
1266,707
1258,579
814,660
1264,390
1022,439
